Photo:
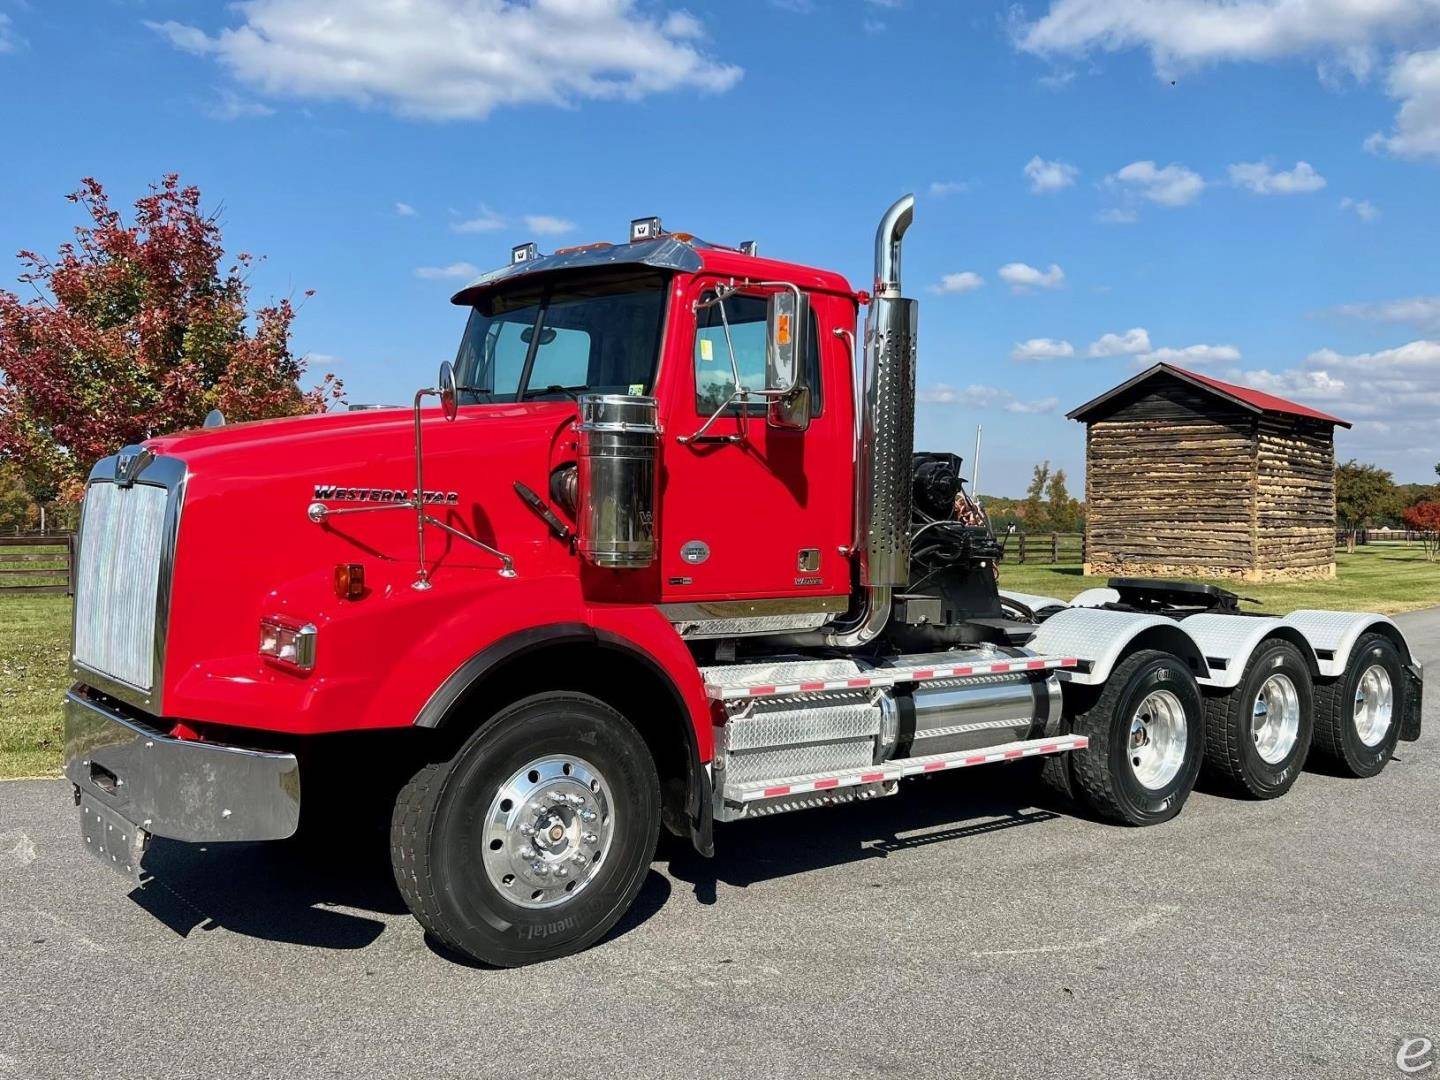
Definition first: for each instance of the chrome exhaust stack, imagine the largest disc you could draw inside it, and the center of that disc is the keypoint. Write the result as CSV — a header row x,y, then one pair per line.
x,y
887,439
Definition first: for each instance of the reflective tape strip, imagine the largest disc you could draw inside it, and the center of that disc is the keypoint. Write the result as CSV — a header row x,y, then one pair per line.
x,y
886,677
895,770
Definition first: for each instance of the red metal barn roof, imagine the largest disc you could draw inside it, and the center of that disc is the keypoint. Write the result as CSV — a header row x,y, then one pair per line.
x,y
1244,396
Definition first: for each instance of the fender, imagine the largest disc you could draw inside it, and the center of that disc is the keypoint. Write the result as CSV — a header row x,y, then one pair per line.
x,y
1332,634
698,795
1099,638
1095,598
1031,601
1229,640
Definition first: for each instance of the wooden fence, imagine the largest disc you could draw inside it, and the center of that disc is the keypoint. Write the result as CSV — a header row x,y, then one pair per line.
x,y
1055,547
38,565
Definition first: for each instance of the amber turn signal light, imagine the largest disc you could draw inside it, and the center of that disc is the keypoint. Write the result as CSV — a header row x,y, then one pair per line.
x,y
349,581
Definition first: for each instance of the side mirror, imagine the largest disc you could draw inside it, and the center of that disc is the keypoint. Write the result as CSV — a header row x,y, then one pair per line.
x,y
787,332
449,392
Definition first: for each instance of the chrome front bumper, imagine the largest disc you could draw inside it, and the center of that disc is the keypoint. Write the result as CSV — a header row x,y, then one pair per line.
x,y
177,788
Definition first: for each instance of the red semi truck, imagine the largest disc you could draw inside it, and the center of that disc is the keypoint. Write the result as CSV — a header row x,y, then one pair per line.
x,y
652,552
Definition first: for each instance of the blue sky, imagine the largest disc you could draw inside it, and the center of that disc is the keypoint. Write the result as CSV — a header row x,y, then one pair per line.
x,y
1249,189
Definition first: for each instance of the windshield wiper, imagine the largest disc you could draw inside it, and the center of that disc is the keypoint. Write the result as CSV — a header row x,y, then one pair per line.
x,y
568,391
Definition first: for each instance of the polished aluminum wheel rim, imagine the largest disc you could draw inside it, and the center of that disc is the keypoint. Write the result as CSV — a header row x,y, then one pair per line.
x,y
1374,704
548,831
1275,719
1158,733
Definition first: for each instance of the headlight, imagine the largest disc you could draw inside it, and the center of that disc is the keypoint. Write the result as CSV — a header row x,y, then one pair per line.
x,y
287,643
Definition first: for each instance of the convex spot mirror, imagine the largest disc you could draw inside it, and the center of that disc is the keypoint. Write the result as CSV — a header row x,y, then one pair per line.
x,y
787,329
448,391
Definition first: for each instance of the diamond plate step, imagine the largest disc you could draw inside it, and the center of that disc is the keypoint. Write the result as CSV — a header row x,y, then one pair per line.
x,y
721,685
894,770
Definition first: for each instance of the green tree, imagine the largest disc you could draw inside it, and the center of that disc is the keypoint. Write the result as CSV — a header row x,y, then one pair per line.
x,y
1064,511
1034,514
137,329
16,509
1363,495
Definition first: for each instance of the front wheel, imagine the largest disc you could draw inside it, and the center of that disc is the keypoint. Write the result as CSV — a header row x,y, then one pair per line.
x,y
1146,732
533,840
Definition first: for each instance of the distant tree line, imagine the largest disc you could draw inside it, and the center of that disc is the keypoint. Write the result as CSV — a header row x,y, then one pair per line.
x,y
1047,506
1367,497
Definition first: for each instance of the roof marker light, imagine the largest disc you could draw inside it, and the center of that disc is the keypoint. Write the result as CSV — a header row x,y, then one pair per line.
x,y
524,253
646,228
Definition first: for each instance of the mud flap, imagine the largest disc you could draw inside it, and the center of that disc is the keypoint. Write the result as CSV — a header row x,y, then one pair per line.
x,y
1414,703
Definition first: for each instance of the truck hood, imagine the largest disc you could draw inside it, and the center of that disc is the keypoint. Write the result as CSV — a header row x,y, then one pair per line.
x,y
385,432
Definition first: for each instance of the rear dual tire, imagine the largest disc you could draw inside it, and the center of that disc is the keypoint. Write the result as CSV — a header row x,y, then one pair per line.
x,y
1147,739
1257,736
1359,715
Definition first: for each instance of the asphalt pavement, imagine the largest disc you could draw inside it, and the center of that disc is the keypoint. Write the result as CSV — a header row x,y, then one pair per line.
x,y
964,928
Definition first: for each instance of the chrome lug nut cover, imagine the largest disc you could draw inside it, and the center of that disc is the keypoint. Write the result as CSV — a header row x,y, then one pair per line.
x,y
547,831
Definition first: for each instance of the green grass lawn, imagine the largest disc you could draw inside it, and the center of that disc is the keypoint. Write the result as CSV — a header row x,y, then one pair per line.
x,y
1379,577
34,671
35,634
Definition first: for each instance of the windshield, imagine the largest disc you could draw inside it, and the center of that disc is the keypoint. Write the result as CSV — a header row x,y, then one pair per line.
x,y
548,338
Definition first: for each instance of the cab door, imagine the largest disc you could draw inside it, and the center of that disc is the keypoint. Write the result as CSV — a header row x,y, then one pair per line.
x,y
749,511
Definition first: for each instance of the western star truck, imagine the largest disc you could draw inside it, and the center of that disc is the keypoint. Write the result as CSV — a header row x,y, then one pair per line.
x,y
652,552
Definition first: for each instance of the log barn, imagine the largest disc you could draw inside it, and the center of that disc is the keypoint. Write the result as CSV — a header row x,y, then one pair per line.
x,y
1187,475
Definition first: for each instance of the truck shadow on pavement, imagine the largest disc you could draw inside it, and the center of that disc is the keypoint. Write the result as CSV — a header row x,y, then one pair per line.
x,y
936,810
341,895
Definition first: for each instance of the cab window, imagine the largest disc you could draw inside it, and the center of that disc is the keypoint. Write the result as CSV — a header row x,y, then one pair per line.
x,y
714,376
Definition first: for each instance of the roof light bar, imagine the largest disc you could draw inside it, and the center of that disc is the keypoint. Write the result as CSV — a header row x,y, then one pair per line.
x,y
646,228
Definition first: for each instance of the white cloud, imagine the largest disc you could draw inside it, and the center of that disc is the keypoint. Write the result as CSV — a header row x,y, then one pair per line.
x,y
1414,81
547,225
1021,277
1173,185
1180,33
458,59
1419,311
963,282
1042,348
1260,178
939,189
1043,405
443,273
984,397
231,106
404,209
1364,209
1346,37
1118,215
1047,176
1191,355
1132,341
485,221
9,42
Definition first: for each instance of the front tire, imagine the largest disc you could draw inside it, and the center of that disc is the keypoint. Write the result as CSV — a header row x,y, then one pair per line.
x,y
1258,735
534,839
1358,716
1147,738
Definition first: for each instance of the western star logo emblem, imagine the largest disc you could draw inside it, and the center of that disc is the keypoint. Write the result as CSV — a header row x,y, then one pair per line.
x,y
335,493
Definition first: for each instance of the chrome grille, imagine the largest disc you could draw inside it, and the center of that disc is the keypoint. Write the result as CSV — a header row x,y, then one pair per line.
x,y
117,581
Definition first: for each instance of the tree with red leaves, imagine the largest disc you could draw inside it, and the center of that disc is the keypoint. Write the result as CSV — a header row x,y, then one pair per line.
x,y
136,331
1424,518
